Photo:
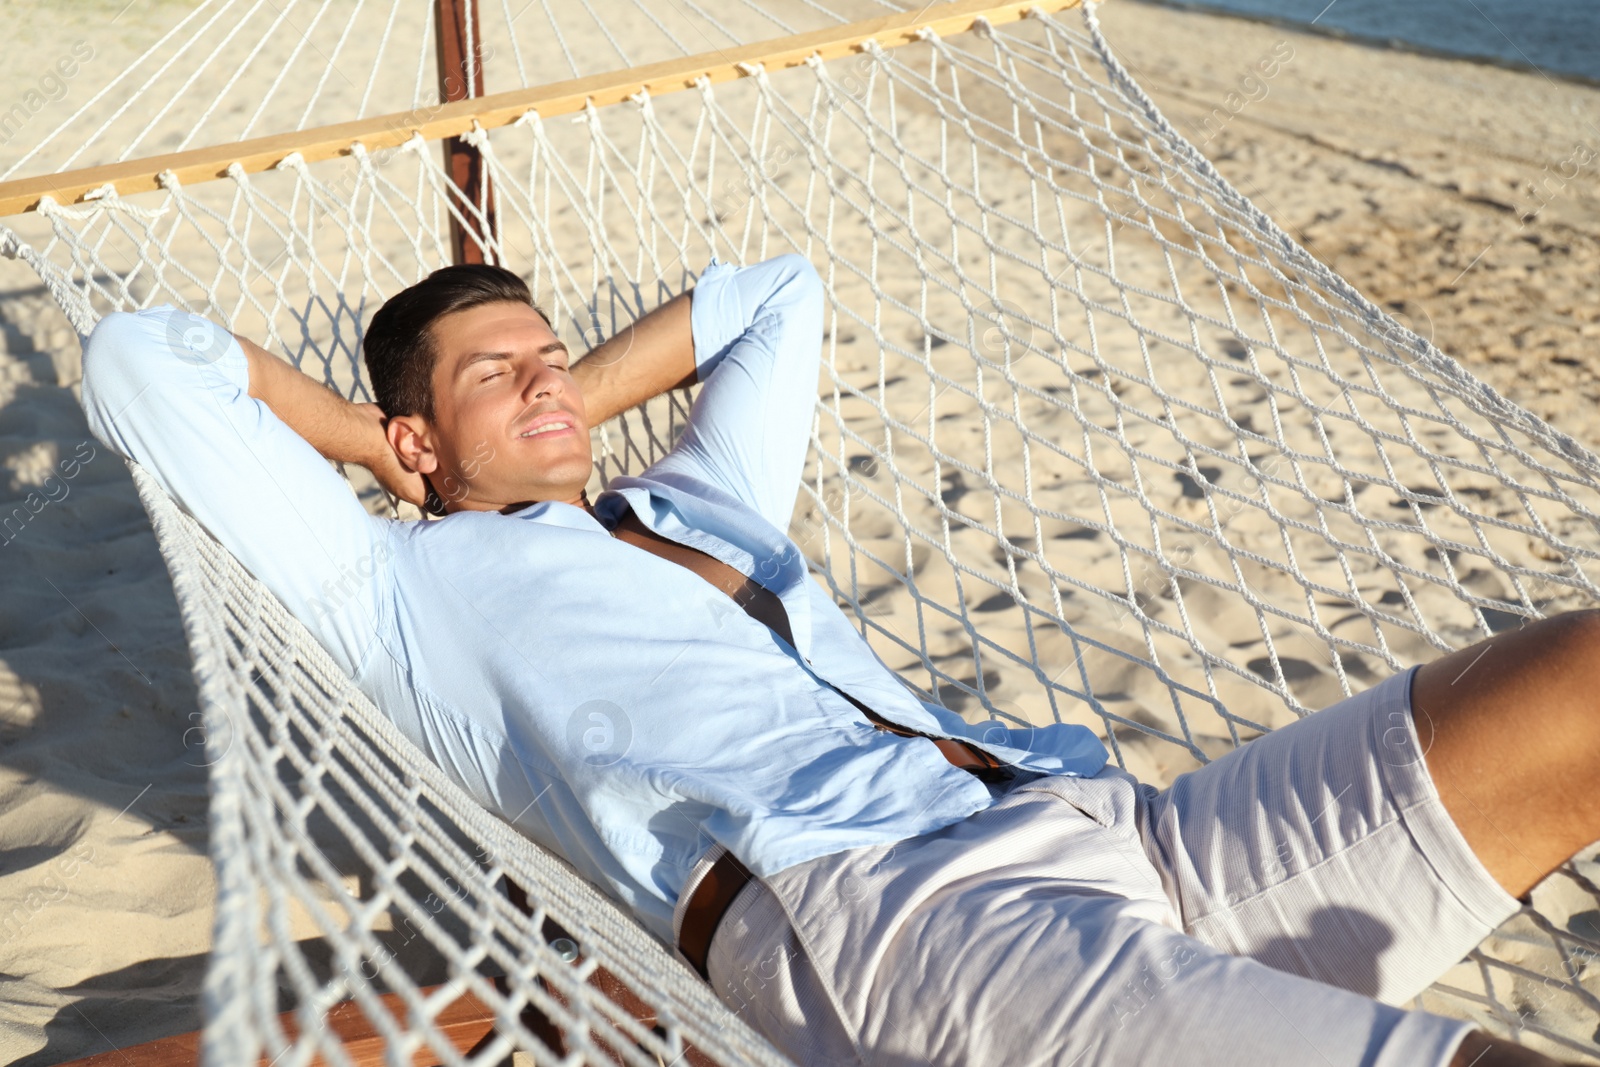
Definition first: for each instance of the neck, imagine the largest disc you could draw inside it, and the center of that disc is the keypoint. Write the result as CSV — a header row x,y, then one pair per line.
x,y
581,500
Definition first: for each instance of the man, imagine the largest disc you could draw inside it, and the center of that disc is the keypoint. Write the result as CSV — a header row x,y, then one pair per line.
x,y
650,685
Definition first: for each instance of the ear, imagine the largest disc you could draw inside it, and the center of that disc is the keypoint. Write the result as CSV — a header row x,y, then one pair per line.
x,y
412,440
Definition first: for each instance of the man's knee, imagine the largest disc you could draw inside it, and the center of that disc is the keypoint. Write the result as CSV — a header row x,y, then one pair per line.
x,y
1562,650
1578,629
1569,645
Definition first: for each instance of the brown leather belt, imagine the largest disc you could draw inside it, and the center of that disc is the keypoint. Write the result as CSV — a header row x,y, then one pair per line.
x,y
707,907
712,896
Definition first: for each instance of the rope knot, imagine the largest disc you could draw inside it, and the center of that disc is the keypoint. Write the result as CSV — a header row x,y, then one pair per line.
x,y
106,198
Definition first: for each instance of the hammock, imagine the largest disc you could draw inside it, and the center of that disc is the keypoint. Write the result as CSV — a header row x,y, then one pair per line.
x,y
1098,442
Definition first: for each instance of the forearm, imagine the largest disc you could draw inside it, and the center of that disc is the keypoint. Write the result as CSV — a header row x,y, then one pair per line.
x,y
327,421
642,361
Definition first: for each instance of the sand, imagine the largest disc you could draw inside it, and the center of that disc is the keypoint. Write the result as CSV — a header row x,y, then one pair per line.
x,y
1456,195
1437,187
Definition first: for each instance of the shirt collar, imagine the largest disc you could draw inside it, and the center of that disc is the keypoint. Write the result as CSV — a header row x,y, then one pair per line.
x,y
556,513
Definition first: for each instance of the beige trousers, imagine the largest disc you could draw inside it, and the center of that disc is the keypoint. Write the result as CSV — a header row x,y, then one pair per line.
x,y
1273,907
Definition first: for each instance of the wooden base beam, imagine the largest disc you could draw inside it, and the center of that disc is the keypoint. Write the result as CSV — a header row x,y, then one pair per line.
x,y
468,1024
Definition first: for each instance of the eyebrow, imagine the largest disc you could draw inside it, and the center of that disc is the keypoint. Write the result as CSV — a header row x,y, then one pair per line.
x,y
481,357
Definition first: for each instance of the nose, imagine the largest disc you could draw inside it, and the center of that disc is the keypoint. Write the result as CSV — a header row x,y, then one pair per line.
x,y
545,381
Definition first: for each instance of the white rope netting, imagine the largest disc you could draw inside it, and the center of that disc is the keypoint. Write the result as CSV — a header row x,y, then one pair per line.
x,y
1097,443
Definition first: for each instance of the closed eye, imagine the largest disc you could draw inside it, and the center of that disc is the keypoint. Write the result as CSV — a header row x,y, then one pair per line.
x,y
490,377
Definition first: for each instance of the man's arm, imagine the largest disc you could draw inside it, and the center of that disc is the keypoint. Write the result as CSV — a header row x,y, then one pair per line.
x,y
644,360
338,429
757,349
174,393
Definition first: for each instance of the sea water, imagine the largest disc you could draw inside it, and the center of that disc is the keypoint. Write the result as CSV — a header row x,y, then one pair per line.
x,y
1557,37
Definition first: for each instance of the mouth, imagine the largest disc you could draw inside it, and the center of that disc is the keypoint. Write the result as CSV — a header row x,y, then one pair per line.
x,y
553,424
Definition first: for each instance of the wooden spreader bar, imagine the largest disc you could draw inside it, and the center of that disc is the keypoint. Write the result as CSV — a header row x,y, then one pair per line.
x,y
455,118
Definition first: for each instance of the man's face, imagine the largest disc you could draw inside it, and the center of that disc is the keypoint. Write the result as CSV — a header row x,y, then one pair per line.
x,y
509,422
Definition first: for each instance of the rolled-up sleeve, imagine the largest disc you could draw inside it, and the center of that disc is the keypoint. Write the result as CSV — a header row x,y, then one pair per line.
x,y
170,391
757,350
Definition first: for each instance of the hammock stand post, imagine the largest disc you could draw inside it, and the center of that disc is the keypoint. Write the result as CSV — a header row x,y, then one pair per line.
x,y
460,54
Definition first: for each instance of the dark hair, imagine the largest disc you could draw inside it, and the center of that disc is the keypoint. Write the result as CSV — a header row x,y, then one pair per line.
x,y
399,346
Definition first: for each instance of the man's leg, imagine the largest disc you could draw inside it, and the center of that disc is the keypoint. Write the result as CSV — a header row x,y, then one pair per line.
x,y
1510,731
1031,932
1323,849
1487,774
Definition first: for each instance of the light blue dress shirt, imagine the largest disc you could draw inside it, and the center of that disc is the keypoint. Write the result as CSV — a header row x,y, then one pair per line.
x,y
611,705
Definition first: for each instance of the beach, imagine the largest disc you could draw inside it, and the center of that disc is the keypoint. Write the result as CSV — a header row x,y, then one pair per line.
x,y
1463,198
